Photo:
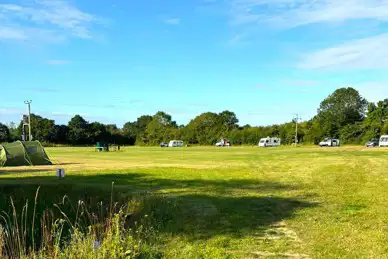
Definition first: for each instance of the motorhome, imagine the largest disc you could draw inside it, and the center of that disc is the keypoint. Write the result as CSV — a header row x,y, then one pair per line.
x,y
175,143
383,141
269,142
329,142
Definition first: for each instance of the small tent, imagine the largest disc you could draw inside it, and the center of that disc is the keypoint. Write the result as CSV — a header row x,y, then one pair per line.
x,y
23,153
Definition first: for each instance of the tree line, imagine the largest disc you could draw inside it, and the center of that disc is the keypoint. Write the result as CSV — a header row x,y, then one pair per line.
x,y
344,114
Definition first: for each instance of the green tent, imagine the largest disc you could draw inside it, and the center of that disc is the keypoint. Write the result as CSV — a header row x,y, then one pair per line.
x,y
23,153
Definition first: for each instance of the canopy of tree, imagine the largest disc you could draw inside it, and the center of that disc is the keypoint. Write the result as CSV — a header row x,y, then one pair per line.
x,y
345,114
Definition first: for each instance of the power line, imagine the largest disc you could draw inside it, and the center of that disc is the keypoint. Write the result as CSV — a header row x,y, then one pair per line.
x,y
29,119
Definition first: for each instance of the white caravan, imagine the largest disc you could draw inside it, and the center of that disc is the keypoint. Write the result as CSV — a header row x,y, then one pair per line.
x,y
383,141
175,143
269,142
329,142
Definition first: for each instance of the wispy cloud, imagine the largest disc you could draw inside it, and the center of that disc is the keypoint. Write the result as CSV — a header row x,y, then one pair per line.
x,y
46,20
367,53
58,62
173,21
292,13
240,39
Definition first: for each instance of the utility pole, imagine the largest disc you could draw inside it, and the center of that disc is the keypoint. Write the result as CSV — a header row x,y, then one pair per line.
x,y
29,119
297,118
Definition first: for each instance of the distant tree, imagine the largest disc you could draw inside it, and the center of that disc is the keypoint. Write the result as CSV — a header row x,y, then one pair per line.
x,y
4,133
229,120
384,131
287,133
130,132
164,119
351,133
78,131
161,128
116,135
246,126
14,132
136,131
142,122
41,128
112,129
59,134
345,106
98,133
376,120
205,129
344,114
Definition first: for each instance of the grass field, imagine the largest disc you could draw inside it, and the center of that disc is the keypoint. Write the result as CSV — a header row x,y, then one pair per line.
x,y
240,202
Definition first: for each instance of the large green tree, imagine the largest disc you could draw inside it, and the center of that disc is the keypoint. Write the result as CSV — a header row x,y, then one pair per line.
x,y
205,129
41,128
376,121
136,131
59,134
161,128
343,107
229,120
98,133
78,131
4,133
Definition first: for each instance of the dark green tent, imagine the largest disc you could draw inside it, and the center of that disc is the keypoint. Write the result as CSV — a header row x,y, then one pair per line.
x,y
23,153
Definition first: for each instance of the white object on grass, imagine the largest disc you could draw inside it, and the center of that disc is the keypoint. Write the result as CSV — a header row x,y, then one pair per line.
x,y
383,141
60,172
269,142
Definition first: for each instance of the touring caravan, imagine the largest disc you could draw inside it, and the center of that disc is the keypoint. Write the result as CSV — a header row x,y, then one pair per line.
x,y
269,142
329,142
383,141
175,143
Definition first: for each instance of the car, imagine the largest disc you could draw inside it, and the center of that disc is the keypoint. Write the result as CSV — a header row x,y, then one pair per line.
x,y
163,144
223,143
372,143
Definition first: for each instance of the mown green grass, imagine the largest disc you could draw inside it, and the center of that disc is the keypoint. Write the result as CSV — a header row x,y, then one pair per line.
x,y
240,202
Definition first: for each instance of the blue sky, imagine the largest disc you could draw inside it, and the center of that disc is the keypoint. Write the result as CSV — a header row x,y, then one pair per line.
x,y
113,61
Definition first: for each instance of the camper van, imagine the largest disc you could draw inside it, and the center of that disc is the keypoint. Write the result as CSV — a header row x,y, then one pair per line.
x,y
269,142
175,143
383,141
329,142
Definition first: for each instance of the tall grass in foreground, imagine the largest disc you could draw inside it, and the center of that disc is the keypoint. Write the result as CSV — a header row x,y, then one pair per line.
x,y
111,232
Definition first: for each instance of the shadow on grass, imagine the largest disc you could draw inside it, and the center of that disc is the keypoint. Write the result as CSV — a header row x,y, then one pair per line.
x,y
196,209
145,183
31,169
16,170
203,217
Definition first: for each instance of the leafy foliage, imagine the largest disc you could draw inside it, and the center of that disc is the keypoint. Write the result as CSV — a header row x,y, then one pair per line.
x,y
4,133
